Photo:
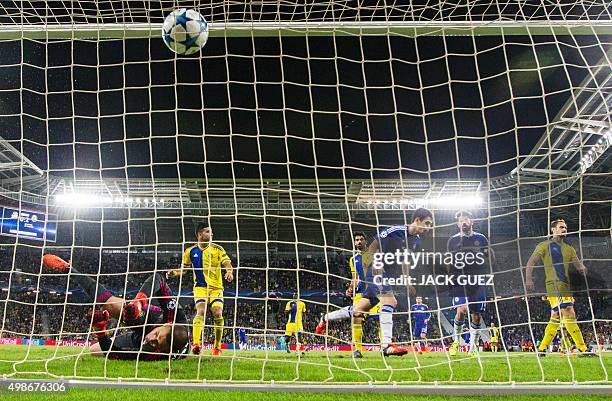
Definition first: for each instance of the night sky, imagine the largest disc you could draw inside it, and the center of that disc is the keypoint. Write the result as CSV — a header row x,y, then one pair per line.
x,y
428,109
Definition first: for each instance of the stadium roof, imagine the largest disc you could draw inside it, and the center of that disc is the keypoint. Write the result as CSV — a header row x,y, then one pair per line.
x,y
578,139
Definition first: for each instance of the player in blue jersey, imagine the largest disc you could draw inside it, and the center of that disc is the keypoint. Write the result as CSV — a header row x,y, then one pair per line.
x,y
420,315
470,258
389,240
242,338
359,263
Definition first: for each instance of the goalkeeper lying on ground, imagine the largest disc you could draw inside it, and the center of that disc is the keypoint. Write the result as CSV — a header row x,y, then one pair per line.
x,y
154,330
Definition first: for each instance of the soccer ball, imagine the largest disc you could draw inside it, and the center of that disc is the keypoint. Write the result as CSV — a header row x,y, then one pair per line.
x,y
185,31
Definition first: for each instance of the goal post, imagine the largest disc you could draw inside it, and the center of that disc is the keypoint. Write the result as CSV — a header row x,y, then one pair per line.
x,y
242,29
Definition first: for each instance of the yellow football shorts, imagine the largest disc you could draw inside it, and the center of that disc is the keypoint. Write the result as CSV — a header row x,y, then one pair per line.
x,y
292,329
374,310
556,302
208,295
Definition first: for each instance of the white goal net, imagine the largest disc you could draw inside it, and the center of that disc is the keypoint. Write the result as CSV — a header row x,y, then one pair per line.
x,y
296,128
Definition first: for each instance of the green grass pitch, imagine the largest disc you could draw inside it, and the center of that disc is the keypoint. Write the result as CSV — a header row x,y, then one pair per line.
x,y
21,362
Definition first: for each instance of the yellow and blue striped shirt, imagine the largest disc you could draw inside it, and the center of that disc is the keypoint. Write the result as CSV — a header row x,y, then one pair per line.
x,y
359,264
556,258
206,263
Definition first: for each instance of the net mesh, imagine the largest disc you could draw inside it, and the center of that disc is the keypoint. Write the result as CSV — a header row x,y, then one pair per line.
x,y
297,126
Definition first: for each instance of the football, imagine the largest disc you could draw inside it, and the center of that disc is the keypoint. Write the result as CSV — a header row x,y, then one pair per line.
x,y
185,31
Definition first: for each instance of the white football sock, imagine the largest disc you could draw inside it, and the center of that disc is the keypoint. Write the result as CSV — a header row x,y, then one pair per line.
x,y
474,336
344,313
386,324
457,329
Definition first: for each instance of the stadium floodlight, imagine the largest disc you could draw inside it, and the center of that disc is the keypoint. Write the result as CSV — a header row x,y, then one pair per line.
x,y
462,201
458,201
77,199
596,151
449,202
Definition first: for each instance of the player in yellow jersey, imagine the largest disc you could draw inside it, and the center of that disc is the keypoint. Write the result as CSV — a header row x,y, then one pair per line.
x,y
494,334
358,264
206,259
295,310
556,256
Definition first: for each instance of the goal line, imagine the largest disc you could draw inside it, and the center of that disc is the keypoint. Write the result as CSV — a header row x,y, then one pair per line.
x,y
440,389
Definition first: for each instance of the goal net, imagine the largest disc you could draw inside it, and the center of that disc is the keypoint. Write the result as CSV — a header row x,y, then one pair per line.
x,y
296,128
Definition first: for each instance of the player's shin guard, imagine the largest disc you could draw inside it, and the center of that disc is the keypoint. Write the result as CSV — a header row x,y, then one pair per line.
x,y
457,329
344,313
575,333
198,323
358,336
386,324
549,334
219,323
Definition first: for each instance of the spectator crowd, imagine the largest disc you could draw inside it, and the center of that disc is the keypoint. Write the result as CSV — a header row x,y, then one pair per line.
x,y
35,303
